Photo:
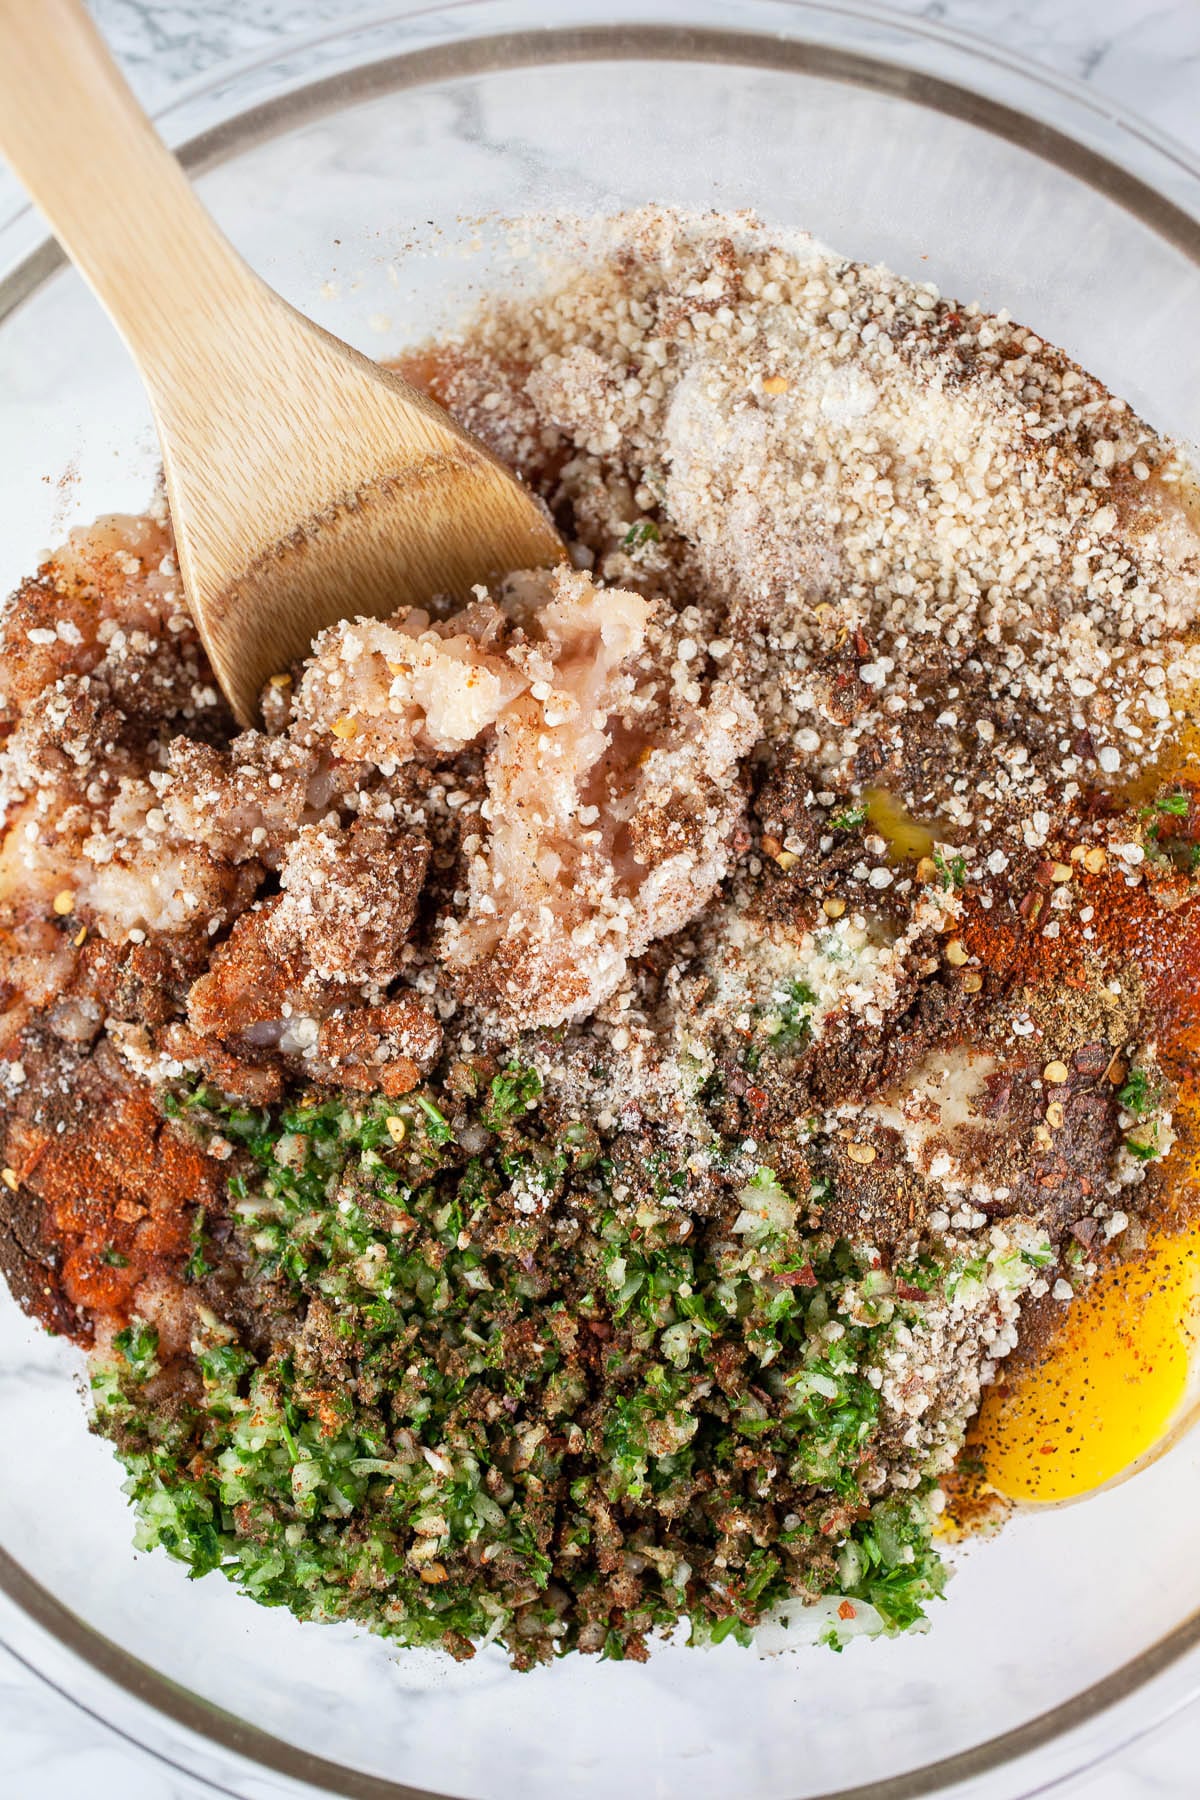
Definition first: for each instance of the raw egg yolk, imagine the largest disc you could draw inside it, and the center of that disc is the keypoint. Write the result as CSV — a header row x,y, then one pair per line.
x,y
1107,1390
906,838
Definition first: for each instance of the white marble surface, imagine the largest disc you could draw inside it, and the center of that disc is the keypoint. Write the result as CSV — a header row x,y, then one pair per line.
x,y
1143,53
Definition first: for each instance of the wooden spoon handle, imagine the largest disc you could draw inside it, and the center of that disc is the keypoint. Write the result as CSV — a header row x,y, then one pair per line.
x,y
116,198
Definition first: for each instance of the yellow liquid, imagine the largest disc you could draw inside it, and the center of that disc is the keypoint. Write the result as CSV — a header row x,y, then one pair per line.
x,y
906,838
1114,1383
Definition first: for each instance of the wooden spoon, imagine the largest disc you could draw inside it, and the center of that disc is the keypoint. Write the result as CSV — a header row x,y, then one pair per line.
x,y
306,483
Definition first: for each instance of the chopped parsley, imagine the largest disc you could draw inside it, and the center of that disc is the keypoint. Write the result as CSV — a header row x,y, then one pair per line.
x,y
892,1565
951,874
849,819
512,1091
787,1024
491,1381
784,1025
1165,843
1142,1097
137,1347
645,531
1138,1095
1176,804
197,1265
925,1274
435,1121
1179,853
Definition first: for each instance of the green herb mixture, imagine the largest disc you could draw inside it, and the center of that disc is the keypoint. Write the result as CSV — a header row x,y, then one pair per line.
x,y
564,1427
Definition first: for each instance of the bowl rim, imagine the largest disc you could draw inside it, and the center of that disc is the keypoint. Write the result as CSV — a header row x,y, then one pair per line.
x,y
639,35
463,51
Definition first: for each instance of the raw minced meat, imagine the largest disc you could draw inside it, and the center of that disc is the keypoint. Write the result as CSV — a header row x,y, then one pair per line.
x,y
609,801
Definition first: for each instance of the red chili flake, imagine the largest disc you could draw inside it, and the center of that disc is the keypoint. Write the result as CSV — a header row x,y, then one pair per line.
x,y
797,1277
861,644
846,1611
1047,1449
906,1291
757,1098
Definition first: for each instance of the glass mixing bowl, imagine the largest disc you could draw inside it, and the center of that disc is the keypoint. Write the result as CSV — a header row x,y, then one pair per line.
x,y
364,173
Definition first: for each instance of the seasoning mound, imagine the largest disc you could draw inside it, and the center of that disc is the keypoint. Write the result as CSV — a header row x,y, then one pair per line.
x,y
548,1140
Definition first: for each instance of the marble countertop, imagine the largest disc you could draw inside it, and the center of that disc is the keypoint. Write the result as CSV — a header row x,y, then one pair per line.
x,y
1142,53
